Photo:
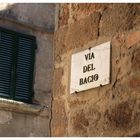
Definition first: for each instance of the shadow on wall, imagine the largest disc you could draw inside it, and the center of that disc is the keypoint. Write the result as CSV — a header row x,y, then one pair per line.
x,y
30,13
136,135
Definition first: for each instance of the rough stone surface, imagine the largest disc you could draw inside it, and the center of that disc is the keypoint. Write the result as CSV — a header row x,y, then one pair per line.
x,y
136,59
111,17
79,123
64,14
59,90
69,13
120,115
132,38
59,125
111,110
84,31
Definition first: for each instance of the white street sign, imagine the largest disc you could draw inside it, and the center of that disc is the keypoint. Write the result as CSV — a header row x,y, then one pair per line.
x,y
90,68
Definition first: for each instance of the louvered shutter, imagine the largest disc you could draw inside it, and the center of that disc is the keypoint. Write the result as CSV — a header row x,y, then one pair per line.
x,y
17,52
24,70
6,63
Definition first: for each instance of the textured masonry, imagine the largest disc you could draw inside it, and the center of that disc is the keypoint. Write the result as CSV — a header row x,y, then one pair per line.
x,y
111,110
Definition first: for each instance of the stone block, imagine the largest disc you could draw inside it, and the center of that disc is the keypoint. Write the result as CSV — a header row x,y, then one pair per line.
x,y
111,110
136,59
82,10
120,116
63,15
59,118
134,82
76,103
79,123
132,38
77,34
58,89
116,19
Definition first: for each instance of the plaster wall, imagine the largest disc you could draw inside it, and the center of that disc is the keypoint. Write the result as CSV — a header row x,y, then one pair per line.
x,y
18,119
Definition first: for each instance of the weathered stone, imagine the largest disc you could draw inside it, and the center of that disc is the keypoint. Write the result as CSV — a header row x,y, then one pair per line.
x,y
63,15
135,135
119,40
59,119
75,103
136,60
120,116
81,10
79,120
136,119
93,114
59,41
70,13
59,88
139,105
79,33
83,30
132,38
79,123
111,110
135,82
116,19
136,19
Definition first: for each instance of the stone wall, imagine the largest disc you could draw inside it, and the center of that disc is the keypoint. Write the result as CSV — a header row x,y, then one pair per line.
x,y
110,110
19,119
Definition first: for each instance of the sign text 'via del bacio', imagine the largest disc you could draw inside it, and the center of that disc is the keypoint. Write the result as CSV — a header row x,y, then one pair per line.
x,y
90,68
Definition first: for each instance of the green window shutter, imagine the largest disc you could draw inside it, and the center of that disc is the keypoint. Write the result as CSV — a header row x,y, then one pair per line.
x,y
24,70
17,54
6,63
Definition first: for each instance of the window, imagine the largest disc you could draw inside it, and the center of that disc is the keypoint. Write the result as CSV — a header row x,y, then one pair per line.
x,y
17,53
